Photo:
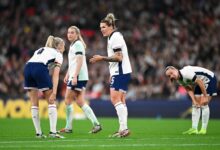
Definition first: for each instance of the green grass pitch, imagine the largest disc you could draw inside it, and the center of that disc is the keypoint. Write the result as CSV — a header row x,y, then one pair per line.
x,y
146,134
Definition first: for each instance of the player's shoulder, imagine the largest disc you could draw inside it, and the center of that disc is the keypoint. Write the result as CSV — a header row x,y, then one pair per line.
x,y
187,67
78,43
50,49
115,35
185,70
45,48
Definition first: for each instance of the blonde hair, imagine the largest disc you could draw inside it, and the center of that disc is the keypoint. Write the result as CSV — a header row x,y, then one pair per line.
x,y
53,42
79,34
169,67
110,20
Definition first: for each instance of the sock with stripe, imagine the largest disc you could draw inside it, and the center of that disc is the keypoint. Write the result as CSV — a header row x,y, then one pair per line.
x,y
36,119
90,114
196,112
69,116
52,110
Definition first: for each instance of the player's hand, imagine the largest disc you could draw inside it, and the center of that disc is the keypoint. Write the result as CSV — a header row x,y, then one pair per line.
x,y
197,104
74,81
65,80
204,100
52,98
96,58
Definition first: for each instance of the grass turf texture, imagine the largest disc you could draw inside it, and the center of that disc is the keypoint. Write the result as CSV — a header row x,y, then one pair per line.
x,y
145,134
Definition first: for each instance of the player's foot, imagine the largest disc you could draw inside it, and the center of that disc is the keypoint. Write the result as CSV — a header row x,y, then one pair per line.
x,y
202,131
41,136
96,129
191,131
115,134
124,133
55,135
121,134
65,130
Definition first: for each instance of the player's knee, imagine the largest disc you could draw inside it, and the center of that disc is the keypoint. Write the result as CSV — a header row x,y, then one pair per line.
x,y
51,102
68,101
80,102
115,100
205,103
115,97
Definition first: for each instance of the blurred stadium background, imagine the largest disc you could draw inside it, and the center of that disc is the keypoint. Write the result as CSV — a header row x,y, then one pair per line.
x,y
158,33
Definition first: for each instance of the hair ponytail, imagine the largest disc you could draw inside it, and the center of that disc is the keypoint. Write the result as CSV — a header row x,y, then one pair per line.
x,y
110,20
49,42
81,39
53,42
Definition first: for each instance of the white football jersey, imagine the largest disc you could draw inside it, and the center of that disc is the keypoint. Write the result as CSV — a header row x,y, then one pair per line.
x,y
75,49
46,56
189,74
116,41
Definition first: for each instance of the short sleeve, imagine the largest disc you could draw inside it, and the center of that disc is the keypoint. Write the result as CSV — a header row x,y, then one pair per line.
x,y
79,48
59,58
188,73
117,41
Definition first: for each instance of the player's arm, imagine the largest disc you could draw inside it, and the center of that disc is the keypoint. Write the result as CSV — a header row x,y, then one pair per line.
x,y
66,77
191,94
55,79
200,83
117,57
79,62
204,98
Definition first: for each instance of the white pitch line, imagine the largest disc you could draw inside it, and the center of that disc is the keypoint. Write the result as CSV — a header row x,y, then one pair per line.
x,y
85,140
109,145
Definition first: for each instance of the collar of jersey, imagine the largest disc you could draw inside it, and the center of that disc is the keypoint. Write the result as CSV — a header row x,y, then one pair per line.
x,y
111,34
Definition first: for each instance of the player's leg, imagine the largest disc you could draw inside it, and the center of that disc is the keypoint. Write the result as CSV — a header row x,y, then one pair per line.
x,y
211,91
124,102
205,116
31,85
118,88
80,100
196,113
69,96
52,111
33,95
116,99
126,112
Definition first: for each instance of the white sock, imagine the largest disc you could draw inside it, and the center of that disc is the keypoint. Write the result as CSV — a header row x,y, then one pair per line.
x,y
205,116
35,118
195,116
90,114
122,115
126,116
69,116
52,110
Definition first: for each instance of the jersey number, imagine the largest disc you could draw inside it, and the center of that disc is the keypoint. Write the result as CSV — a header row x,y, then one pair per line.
x,y
40,51
112,80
